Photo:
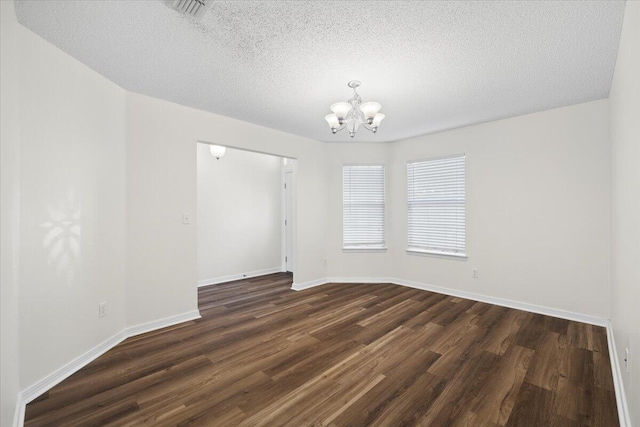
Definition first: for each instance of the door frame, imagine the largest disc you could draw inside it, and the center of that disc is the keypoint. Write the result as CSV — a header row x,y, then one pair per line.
x,y
288,171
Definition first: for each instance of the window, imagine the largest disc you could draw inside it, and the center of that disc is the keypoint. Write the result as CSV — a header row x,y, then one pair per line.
x,y
436,206
363,206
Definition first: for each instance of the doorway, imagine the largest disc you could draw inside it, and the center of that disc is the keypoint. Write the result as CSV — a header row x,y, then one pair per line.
x,y
240,210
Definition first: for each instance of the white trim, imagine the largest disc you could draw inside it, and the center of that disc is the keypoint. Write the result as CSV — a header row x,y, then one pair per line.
x,y
359,280
518,305
307,285
59,375
448,156
428,252
379,247
363,249
618,384
143,328
327,280
232,277
283,210
35,390
18,416
288,264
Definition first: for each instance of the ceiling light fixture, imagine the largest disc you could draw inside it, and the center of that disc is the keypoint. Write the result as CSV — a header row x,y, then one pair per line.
x,y
193,8
353,113
217,151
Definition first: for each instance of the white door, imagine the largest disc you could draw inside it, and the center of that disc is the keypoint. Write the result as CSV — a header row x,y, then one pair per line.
x,y
288,220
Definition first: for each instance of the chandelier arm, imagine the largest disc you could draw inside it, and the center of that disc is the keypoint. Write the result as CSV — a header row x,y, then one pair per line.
x,y
368,127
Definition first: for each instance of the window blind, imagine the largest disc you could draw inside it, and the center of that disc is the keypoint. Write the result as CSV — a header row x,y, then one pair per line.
x,y
363,206
436,199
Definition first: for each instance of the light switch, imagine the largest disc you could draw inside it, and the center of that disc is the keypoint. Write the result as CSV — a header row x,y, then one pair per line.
x,y
186,218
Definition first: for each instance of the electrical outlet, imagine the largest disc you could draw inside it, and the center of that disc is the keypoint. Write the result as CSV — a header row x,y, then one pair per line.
x,y
102,309
474,273
186,218
626,360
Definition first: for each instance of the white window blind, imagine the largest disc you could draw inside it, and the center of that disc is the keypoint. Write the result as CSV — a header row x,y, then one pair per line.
x,y
363,206
436,205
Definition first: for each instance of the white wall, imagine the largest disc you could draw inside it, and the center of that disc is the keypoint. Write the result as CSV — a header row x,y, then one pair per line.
x,y
94,183
239,214
68,128
537,210
72,208
349,264
10,214
624,104
161,183
538,213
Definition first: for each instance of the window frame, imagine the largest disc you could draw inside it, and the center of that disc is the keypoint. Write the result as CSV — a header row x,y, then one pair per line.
x,y
367,247
434,251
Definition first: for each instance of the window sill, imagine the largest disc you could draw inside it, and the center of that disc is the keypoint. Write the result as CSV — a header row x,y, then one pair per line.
x,y
364,249
437,254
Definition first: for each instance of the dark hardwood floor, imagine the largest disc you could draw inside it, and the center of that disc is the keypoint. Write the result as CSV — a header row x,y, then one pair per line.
x,y
343,355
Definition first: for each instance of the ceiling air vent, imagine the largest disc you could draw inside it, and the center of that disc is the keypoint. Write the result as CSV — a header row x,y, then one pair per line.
x,y
194,8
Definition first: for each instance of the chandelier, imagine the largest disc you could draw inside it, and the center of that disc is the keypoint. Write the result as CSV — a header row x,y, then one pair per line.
x,y
353,113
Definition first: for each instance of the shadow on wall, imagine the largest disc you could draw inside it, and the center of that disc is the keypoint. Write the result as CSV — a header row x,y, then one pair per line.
x,y
62,233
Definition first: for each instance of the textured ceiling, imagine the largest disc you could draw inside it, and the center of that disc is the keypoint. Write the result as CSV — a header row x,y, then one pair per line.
x,y
433,65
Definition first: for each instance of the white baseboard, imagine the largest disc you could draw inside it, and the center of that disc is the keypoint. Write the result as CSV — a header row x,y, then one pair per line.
x,y
518,305
232,277
360,280
547,311
307,285
618,384
18,416
70,368
143,328
35,390
319,282
51,380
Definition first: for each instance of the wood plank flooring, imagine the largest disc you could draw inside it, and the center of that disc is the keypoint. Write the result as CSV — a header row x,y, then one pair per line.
x,y
343,355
